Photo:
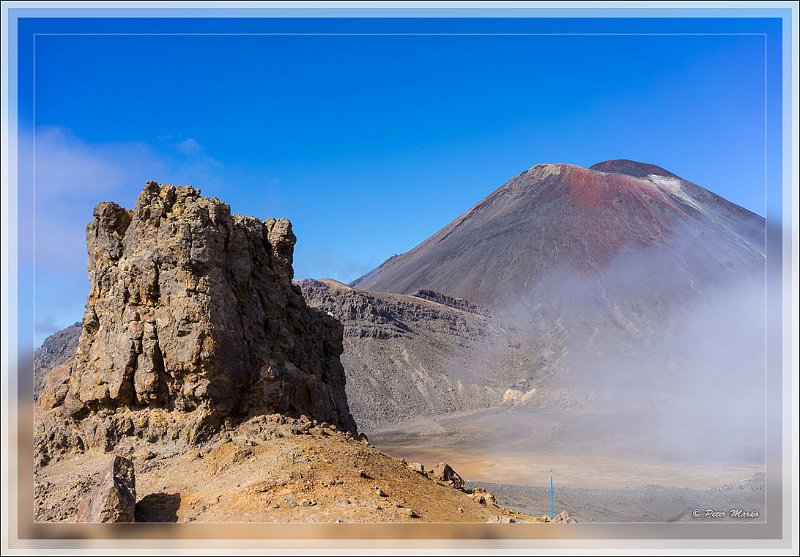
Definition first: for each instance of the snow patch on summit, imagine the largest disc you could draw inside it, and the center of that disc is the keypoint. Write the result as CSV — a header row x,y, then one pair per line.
x,y
545,170
674,187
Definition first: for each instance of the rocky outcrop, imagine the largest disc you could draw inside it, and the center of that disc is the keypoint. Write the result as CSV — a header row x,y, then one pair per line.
x,y
457,303
483,496
56,349
442,472
192,316
114,499
417,467
55,386
564,516
412,356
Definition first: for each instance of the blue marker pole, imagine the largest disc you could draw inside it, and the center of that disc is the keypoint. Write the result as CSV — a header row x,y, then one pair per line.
x,y
552,500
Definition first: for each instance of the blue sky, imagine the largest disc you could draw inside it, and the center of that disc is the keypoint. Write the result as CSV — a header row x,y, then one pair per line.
x,y
369,144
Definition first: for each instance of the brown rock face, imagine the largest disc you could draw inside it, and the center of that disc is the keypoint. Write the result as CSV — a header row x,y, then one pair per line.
x,y
192,312
114,499
55,387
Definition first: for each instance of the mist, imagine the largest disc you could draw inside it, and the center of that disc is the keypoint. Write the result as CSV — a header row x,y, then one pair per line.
x,y
659,355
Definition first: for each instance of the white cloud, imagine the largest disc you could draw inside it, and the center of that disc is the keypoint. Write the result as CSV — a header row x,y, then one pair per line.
x,y
190,147
68,167
72,176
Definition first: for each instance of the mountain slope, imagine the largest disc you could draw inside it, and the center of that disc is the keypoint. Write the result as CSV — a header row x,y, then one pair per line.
x,y
55,350
561,218
423,354
638,298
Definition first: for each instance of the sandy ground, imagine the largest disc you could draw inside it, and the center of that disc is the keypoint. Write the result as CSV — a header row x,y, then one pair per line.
x,y
265,472
574,471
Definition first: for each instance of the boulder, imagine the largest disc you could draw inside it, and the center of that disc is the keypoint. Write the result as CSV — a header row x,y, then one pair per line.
x,y
417,467
114,499
483,497
444,473
564,516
